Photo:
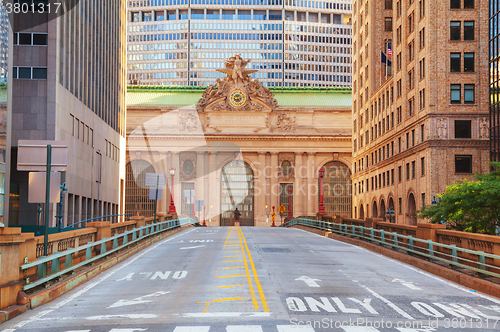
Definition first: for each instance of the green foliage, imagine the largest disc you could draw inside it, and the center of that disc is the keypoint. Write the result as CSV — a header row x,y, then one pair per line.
x,y
470,206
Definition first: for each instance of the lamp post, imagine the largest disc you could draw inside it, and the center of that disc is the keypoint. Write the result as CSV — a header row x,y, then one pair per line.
x,y
321,208
390,212
171,209
434,200
289,215
267,213
204,223
274,215
63,190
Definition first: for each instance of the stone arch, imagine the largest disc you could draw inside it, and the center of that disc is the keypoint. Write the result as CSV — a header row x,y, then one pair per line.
x,y
374,209
137,199
361,211
337,188
412,209
383,210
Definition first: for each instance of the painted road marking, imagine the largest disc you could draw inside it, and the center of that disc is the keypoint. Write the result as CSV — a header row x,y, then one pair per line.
x,y
192,329
229,299
232,268
131,316
139,300
128,277
126,330
191,247
201,240
294,328
226,314
232,261
244,328
389,303
230,286
408,284
359,329
309,281
231,276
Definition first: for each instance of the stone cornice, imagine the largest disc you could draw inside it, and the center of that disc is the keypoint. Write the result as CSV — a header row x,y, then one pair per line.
x,y
252,137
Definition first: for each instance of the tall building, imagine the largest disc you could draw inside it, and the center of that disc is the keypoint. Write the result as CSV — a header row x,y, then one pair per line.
x,y
69,85
494,57
4,108
420,101
291,42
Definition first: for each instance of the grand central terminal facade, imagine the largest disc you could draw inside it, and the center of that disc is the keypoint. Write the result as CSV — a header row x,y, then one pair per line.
x,y
237,144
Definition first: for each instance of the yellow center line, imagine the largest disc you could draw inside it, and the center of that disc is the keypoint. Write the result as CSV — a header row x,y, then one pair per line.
x,y
249,279
230,286
228,299
231,268
231,276
232,256
256,277
231,261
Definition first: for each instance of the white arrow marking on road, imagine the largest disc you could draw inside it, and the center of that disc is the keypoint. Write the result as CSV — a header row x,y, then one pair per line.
x,y
191,247
126,330
133,316
408,284
128,277
309,281
139,300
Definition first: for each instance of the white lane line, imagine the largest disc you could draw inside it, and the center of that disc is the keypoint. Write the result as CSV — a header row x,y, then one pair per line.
x,y
359,329
126,330
430,275
226,314
389,303
191,247
79,331
294,328
132,316
192,329
92,285
244,328
139,300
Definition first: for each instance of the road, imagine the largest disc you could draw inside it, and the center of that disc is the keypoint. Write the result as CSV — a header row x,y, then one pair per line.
x,y
233,279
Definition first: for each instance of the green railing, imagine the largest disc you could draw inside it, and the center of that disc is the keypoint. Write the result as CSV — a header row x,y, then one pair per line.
x,y
450,254
127,238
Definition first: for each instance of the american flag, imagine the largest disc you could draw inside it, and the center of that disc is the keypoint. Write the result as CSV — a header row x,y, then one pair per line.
x,y
389,50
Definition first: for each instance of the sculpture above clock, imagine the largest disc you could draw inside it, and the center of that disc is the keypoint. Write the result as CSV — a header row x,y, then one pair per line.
x,y
237,91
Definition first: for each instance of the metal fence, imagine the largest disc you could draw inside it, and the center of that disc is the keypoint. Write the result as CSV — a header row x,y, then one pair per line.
x,y
483,263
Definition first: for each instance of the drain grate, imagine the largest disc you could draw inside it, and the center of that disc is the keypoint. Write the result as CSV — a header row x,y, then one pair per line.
x,y
275,250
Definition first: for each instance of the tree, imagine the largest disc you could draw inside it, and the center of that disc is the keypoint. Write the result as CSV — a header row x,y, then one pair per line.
x,y
470,206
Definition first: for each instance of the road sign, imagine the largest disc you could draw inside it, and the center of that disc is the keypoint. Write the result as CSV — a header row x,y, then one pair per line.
x,y
156,178
199,205
32,155
282,208
36,187
152,193
273,214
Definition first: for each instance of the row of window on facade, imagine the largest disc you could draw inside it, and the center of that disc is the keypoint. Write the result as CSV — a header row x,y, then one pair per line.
x,y
295,3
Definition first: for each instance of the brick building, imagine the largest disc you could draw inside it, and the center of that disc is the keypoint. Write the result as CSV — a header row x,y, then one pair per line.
x,y
494,80
420,114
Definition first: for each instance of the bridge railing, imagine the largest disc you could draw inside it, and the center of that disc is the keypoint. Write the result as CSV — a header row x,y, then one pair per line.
x,y
45,269
485,264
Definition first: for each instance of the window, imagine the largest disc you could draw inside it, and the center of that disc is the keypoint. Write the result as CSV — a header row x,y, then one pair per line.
x,y
398,8
398,35
422,68
39,73
455,4
455,94
422,98
463,164
411,22
413,137
455,59
392,176
400,203
399,173
40,39
398,62
463,129
24,39
468,4
422,8
388,24
36,73
421,35
455,30
411,106
146,17
135,17
422,137
407,141
423,199
159,16
469,62
469,94
388,4
411,50
413,169
468,30
407,171
422,166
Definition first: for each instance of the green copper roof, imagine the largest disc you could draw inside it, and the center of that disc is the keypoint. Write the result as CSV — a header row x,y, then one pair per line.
x,y
286,97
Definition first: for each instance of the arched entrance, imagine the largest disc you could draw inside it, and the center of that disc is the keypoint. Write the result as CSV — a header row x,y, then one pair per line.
x,y
374,210
337,189
391,206
361,212
383,210
137,199
237,190
412,208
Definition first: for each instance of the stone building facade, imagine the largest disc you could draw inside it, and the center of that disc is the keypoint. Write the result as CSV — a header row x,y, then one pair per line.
x,y
420,101
238,144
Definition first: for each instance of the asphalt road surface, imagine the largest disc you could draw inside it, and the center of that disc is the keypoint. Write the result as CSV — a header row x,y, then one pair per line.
x,y
233,279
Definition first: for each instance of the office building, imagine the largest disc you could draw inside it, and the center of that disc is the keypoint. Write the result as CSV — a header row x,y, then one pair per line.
x,y
420,101
494,57
69,85
291,42
4,109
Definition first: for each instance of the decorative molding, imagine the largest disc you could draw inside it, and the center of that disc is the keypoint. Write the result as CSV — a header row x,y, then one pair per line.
x,y
183,157
484,128
286,121
442,128
188,121
291,158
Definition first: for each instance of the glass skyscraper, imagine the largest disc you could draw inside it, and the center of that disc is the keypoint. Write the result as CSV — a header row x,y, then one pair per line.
x,y
291,42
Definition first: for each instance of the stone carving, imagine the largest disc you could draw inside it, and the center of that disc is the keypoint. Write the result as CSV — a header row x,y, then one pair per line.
x,y
188,121
442,128
207,125
185,176
287,122
484,128
237,91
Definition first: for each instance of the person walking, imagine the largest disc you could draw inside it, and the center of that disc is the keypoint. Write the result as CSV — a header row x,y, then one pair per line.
x,y
237,215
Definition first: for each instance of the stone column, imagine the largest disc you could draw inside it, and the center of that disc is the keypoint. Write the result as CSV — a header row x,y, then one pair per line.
x,y
177,183
200,180
311,185
298,193
165,200
275,190
260,191
214,191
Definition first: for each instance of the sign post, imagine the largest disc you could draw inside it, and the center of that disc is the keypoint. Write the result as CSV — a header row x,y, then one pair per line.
x,y
153,180
47,198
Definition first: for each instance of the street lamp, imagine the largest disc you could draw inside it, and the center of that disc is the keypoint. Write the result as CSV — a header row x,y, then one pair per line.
x,y
171,209
434,200
267,213
289,203
390,212
63,190
321,208
274,214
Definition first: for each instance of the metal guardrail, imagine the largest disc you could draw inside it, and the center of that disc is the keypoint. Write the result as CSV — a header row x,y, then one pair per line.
x,y
95,218
128,238
413,246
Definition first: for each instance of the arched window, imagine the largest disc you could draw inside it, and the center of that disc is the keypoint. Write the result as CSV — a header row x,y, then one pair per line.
x,y
237,191
137,199
286,168
337,189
